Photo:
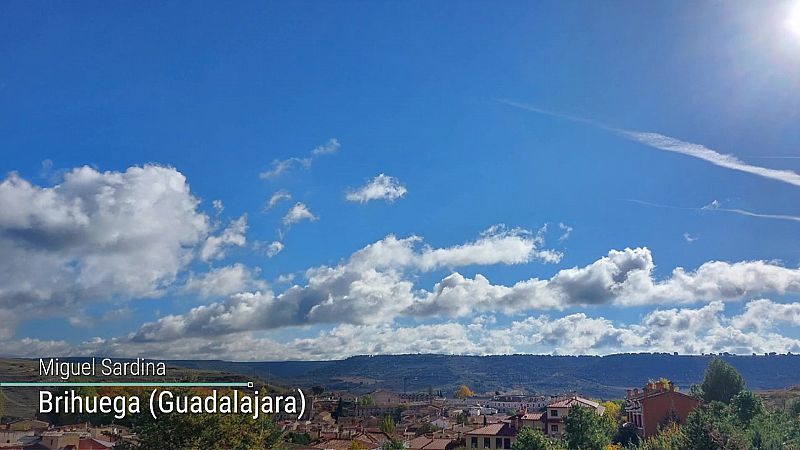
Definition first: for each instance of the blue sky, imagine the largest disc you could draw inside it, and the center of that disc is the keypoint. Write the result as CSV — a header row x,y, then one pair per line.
x,y
469,107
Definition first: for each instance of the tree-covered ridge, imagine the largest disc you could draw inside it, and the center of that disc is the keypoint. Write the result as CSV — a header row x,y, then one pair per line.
x,y
594,376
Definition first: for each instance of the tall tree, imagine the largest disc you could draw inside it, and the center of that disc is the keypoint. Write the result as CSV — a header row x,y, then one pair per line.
x,y
721,382
586,430
387,426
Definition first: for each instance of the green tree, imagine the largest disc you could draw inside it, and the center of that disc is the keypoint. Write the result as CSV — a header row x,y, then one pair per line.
x,y
339,409
586,430
387,426
721,382
670,438
393,444
530,439
712,427
366,400
745,406
774,431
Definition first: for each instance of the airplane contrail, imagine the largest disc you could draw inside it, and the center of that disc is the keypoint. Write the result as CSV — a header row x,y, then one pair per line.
x,y
670,144
715,206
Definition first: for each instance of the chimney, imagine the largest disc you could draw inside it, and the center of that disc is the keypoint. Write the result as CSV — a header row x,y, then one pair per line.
x,y
671,386
627,393
636,391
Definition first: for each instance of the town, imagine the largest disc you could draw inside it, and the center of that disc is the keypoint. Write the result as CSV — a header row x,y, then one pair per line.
x,y
655,412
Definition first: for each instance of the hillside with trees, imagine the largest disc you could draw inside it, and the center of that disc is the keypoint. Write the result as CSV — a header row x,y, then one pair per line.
x,y
596,376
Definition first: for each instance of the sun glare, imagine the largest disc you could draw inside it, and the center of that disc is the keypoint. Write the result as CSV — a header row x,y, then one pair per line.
x,y
793,19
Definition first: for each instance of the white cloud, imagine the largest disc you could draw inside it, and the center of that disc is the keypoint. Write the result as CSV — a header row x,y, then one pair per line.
x,y
233,234
274,248
276,198
224,281
688,331
281,166
218,206
382,187
566,231
372,286
298,213
329,147
622,278
764,314
689,238
95,236
376,285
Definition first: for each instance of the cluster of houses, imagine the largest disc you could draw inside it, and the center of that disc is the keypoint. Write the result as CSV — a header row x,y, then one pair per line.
x,y
33,434
341,421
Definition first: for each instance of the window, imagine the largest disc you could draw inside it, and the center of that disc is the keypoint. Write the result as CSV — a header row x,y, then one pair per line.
x,y
554,428
474,442
498,442
487,443
553,413
507,443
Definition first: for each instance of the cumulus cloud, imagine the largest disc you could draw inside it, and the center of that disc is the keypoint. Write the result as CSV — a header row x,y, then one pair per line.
x,y
234,234
274,248
373,286
376,285
621,278
298,213
382,187
95,236
276,198
686,330
224,281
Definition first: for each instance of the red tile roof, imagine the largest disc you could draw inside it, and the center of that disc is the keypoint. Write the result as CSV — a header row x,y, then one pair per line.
x,y
495,429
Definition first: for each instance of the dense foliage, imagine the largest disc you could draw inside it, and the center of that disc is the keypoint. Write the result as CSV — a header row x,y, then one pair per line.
x,y
530,439
721,382
732,418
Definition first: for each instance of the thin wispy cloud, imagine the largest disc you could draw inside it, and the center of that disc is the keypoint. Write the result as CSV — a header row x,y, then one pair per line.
x,y
566,231
329,147
689,238
281,166
716,206
670,144
276,198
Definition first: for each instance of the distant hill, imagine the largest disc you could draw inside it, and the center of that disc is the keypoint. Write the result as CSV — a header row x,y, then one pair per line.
x,y
596,376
